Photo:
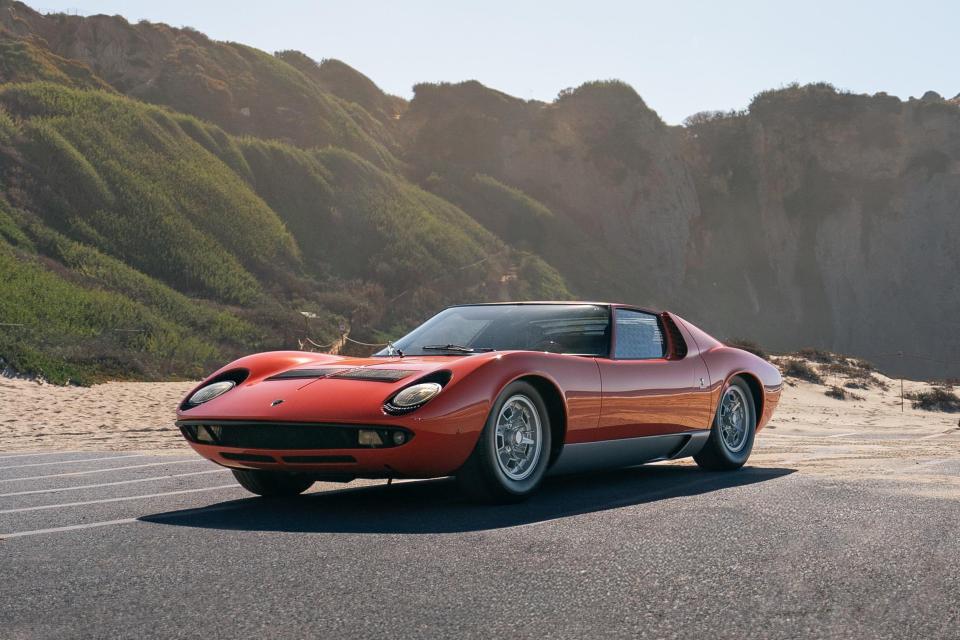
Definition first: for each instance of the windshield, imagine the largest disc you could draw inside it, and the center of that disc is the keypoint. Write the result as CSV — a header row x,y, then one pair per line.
x,y
582,329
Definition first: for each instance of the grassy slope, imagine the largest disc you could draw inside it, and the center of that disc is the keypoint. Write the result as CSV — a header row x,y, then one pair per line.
x,y
122,215
25,60
242,89
89,316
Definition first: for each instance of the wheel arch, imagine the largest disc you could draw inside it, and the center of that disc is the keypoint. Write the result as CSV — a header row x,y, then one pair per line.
x,y
756,390
556,409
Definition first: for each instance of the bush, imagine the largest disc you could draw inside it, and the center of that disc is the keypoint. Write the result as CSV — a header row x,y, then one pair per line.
x,y
839,393
816,355
800,369
936,399
859,377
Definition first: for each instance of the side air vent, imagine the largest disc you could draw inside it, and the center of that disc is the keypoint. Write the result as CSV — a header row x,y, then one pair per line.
x,y
678,344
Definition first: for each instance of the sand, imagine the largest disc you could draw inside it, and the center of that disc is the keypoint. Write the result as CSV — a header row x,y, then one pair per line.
x,y
810,432
114,416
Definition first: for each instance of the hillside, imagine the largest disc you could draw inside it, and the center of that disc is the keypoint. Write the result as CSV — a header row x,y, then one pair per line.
x,y
815,217
168,201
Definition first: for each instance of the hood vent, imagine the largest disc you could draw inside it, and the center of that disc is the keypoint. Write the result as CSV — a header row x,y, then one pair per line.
x,y
304,374
346,373
375,375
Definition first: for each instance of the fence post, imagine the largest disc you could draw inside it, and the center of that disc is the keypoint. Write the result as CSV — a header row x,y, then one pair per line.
x,y
900,353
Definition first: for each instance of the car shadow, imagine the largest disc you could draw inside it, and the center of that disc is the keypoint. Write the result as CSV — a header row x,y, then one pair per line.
x,y
435,506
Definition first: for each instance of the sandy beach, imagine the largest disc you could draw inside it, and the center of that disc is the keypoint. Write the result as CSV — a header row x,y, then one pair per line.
x,y
867,437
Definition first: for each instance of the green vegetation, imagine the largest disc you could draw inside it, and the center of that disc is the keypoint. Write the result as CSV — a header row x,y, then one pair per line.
x,y
113,176
140,242
506,211
70,333
23,60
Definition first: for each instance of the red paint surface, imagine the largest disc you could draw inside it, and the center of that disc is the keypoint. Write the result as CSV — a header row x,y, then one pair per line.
x,y
602,399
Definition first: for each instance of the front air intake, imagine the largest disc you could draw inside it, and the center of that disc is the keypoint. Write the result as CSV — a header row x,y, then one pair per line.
x,y
292,435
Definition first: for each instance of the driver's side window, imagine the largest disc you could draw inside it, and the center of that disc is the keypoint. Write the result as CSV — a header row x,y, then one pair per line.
x,y
638,335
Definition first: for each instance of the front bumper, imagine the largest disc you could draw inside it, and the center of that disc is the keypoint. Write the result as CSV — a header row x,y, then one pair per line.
x,y
427,450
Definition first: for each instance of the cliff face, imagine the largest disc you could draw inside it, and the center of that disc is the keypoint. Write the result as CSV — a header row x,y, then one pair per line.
x,y
814,218
598,158
832,219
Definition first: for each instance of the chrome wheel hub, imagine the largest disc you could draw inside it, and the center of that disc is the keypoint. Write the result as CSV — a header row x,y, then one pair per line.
x,y
733,419
519,434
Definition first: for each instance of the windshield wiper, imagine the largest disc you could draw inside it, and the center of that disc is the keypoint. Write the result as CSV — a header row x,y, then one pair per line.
x,y
459,348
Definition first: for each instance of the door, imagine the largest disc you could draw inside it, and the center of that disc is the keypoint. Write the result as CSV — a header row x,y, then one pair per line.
x,y
649,387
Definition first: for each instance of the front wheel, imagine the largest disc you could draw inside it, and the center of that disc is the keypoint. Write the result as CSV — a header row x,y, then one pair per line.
x,y
513,451
271,484
734,426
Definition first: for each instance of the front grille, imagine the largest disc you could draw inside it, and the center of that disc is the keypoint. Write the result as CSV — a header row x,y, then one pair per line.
x,y
259,435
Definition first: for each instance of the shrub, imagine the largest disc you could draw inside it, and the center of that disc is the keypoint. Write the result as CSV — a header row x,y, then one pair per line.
x,y
839,393
859,378
816,355
936,399
800,369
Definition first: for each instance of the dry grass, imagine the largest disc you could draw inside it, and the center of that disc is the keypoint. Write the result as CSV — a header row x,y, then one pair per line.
x,y
839,393
936,399
800,369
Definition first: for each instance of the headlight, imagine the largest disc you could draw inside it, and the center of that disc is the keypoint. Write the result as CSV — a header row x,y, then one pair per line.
x,y
413,396
211,391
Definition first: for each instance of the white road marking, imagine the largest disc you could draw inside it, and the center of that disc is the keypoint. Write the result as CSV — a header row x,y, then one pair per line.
x,y
73,527
105,500
111,484
33,455
842,435
47,464
83,473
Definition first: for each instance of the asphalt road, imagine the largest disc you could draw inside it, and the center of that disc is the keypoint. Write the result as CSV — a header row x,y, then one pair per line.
x,y
117,545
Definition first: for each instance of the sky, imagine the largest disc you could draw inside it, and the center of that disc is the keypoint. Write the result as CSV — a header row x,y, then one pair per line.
x,y
682,57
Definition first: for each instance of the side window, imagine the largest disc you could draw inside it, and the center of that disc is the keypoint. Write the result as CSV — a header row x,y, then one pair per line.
x,y
638,336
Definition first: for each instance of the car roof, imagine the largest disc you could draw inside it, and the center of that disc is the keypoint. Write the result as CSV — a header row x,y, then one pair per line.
x,y
541,302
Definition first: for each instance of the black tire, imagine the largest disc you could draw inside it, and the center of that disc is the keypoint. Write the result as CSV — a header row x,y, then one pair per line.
x,y
272,484
482,477
717,454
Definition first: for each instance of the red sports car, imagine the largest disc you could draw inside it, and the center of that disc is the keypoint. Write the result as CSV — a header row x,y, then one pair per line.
x,y
498,395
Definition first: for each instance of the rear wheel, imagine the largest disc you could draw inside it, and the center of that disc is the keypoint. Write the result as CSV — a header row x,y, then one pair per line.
x,y
513,451
734,426
272,483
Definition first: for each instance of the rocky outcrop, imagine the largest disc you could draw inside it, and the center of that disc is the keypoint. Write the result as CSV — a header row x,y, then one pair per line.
x,y
842,213
814,218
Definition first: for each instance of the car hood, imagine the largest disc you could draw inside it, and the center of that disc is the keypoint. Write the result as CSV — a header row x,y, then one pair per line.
x,y
307,387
